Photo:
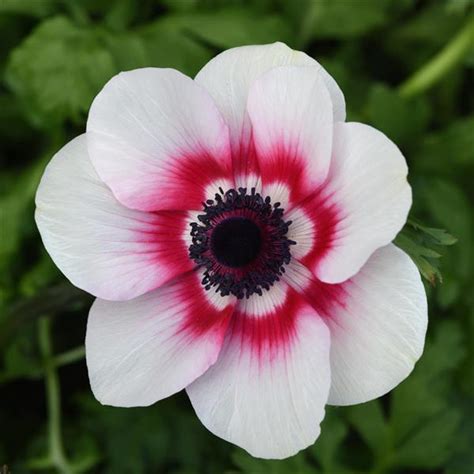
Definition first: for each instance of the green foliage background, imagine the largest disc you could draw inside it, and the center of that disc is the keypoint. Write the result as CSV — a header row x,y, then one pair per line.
x,y
55,55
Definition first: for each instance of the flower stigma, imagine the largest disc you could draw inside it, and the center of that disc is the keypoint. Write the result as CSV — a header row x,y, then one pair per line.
x,y
240,240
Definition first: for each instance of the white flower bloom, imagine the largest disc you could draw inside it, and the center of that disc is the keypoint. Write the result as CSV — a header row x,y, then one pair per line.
x,y
237,233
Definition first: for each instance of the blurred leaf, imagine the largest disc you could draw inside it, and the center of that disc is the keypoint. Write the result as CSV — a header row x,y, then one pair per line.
x,y
462,460
21,357
250,465
13,209
418,37
448,151
58,70
120,14
17,130
423,420
421,428
139,48
155,436
400,119
369,421
348,69
53,300
432,444
43,273
127,50
466,370
458,5
231,27
183,5
328,446
175,50
342,19
432,24
86,453
144,445
39,8
348,19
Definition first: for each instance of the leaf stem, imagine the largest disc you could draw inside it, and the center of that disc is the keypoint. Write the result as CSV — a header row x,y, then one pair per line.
x,y
60,360
50,301
441,64
53,396
69,357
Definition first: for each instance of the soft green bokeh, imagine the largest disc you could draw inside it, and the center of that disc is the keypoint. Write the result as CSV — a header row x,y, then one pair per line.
x,y
405,66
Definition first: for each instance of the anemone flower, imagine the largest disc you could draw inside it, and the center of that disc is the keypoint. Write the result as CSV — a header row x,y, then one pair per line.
x,y
236,232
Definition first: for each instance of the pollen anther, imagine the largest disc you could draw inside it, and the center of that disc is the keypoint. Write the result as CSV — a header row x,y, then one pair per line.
x,y
240,240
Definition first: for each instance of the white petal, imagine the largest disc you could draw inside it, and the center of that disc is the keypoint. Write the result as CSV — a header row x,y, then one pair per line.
x,y
157,139
229,76
379,332
292,124
267,391
146,349
368,190
301,231
103,247
377,321
313,228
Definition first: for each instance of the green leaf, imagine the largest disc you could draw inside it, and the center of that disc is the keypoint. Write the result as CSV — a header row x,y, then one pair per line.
x,y
400,119
420,36
145,443
343,19
166,46
21,357
450,207
423,394
462,460
17,130
121,14
181,6
158,44
453,146
165,434
432,444
445,159
43,273
461,6
328,446
86,453
431,25
423,420
420,430
57,71
423,245
369,421
14,206
37,8
250,465
128,50
231,27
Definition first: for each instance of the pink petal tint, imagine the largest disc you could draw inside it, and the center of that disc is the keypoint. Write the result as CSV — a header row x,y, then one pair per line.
x,y
237,233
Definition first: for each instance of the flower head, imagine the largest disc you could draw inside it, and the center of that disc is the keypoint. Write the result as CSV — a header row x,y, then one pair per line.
x,y
237,234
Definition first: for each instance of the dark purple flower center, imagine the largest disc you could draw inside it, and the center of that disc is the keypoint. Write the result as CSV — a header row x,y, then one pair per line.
x,y
240,241
236,241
